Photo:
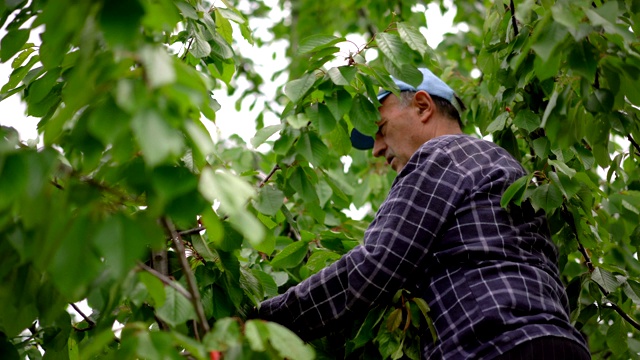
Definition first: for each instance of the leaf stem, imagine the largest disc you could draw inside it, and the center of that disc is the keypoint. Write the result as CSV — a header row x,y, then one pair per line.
x,y
191,281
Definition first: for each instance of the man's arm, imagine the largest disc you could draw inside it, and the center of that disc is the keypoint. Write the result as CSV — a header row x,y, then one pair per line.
x,y
396,243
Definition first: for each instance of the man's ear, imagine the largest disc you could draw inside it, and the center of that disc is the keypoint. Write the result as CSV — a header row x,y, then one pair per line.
x,y
424,105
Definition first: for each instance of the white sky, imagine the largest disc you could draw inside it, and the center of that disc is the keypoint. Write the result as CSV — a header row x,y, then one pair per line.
x,y
267,61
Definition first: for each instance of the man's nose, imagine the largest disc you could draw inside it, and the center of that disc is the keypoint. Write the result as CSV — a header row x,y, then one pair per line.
x,y
379,146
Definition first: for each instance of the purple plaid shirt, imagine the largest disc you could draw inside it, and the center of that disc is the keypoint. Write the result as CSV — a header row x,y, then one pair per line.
x,y
489,274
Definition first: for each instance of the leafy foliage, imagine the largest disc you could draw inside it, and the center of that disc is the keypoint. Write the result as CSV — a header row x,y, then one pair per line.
x,y
127,175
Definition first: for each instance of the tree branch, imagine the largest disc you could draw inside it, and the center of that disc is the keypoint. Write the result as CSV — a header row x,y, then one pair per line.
x,y
193,231
623,314
91,323
514,22
191,281
165,280
568,217
269,175
634,143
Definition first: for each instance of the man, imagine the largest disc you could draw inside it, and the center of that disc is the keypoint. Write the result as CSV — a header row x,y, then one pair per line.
x,y
488,274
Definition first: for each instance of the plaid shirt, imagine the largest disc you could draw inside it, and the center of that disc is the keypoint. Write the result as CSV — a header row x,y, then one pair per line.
x,y
489,274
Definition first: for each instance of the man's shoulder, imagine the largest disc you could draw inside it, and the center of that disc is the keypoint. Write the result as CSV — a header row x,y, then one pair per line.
x,y
461,146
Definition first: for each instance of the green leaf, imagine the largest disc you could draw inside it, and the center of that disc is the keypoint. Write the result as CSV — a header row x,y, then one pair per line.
x,y
412,37
527,120
583,61
635,236
424,308
154,287
498,123
121,242
287,344
317,42
342,75
394,320
268,284
605,279
303,184
515,191
158,65
200,137
120,21
232,191
200,245
158,141
298,88
364,115
200,48
297,121
256,333
562,167
291,255
225,334
232,15
616,337
339,103
269,200
548,36
547,197
223,26
393,48
312,148
176,309
265,133
607,17
12,42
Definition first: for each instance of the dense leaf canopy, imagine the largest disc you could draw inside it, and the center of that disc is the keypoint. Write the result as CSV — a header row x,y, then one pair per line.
x,y
128,232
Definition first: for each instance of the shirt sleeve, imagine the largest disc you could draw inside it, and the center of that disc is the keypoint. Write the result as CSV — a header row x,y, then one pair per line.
x,y
422,199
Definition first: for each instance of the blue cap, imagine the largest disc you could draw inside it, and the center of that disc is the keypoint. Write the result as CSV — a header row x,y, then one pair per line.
x,y
430,83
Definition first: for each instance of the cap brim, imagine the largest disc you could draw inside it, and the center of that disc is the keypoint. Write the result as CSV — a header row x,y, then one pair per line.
x,y
361,141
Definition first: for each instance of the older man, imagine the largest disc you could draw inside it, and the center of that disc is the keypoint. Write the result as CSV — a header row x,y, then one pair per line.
x,y
489,274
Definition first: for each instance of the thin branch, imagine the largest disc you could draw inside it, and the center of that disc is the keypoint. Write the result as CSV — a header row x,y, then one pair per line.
x,y
514,22
165,280
568,217
266,179
634,143
54,183
191,281
186,51
623,314
193,231
91,323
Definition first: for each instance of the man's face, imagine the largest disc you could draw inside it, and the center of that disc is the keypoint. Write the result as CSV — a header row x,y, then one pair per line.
x,y
398,132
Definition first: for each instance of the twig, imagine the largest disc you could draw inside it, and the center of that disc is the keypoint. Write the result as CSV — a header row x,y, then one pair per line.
x,y
191,281
165,280
266,179
623,314
186,51
54,183
514,22
91,323
634,143
568,217
193,231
